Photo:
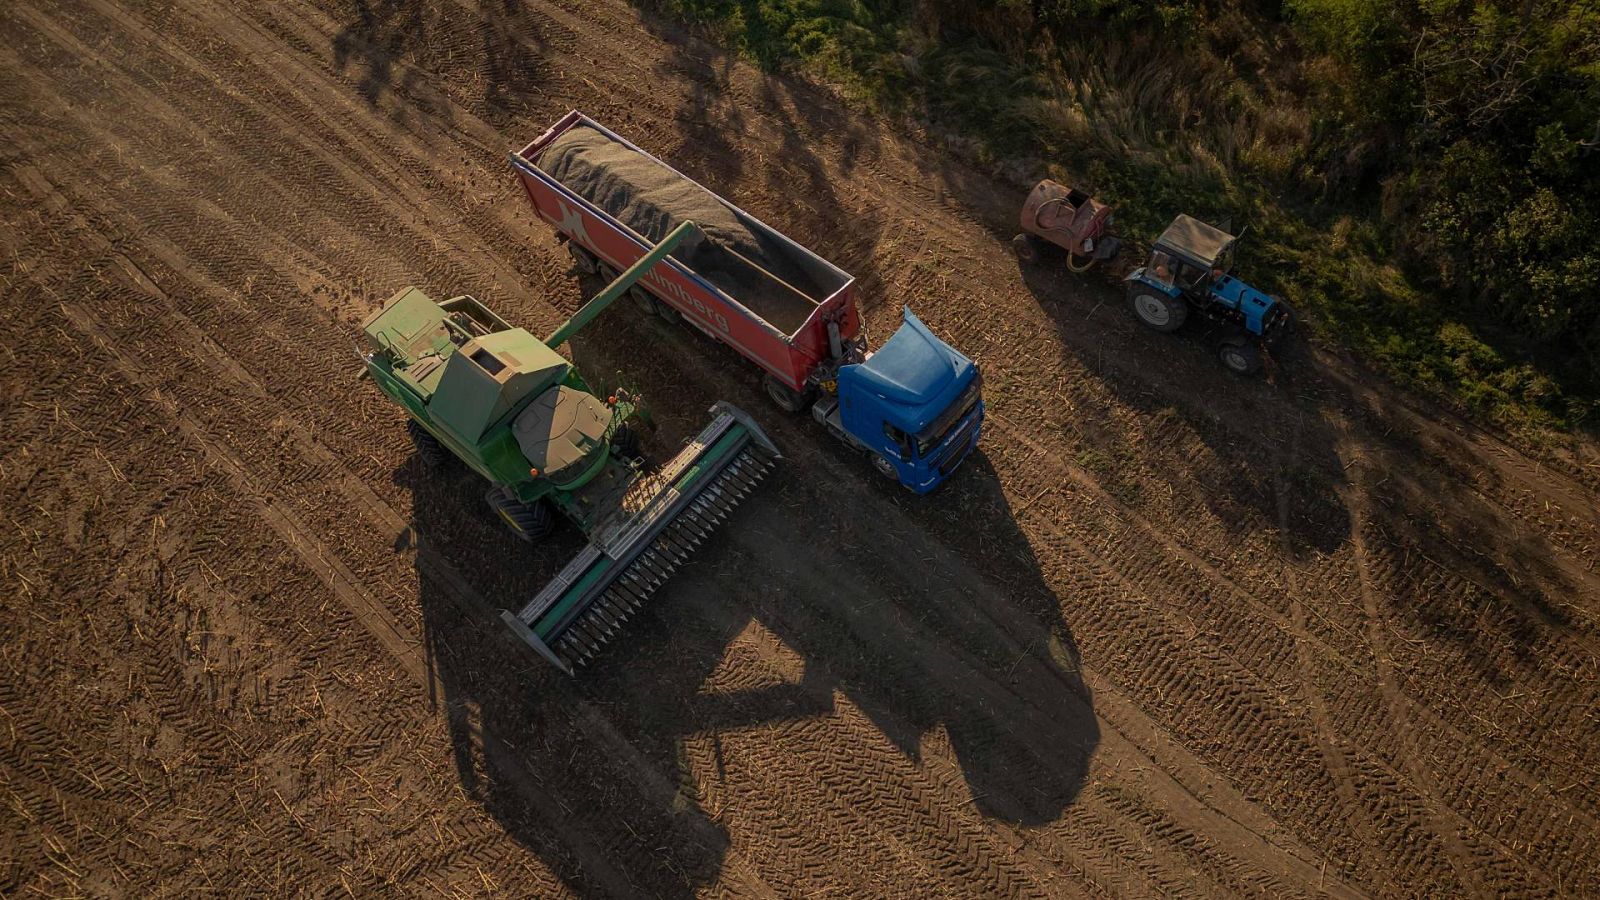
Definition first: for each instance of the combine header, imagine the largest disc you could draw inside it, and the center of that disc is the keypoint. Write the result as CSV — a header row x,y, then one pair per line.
x,y
517,413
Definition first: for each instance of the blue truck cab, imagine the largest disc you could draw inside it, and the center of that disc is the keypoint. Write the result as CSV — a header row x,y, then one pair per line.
x,y
1190,268
915,406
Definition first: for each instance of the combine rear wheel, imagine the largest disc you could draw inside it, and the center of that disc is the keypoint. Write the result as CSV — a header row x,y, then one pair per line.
x,y
528,521
433,454
1156,310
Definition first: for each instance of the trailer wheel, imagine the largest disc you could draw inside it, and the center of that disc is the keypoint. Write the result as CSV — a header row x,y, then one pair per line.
x,y
1026,248
530,522
642,299
1240,357
582,258
433,454
607,272
667,313
1156,310
786,397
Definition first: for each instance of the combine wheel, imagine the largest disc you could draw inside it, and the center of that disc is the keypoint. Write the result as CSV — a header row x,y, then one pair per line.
x,y
582,258
433,454
1240,357
1026,247
626,442
1156,310
528,521
784,396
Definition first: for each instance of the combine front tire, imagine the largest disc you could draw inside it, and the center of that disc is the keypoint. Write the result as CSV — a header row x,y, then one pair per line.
x,y
1240,357
528,521
433,454
626,442
1026,248
1156,310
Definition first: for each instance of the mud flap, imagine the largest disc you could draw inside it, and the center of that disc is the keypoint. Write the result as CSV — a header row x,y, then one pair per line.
x,y
625,561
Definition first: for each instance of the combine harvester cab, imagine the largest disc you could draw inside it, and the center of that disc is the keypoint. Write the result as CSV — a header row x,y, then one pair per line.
x,y
517,413
914,408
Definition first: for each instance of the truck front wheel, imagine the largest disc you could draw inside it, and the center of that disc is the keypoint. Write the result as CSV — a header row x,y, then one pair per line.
x,y
1156,310
884,467
787,398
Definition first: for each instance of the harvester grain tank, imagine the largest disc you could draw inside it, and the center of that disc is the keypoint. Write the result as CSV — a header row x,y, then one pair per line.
x,y
518,414
914,407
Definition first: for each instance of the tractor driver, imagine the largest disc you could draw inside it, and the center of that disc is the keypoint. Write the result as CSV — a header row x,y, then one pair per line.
x,y
1161,265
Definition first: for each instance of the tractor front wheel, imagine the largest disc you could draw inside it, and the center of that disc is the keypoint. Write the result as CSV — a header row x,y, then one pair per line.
x,y
1156,310
530,522
1240,357
787,398
1026,247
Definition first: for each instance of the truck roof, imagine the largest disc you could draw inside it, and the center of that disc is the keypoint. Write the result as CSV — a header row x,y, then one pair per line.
x,y
915,371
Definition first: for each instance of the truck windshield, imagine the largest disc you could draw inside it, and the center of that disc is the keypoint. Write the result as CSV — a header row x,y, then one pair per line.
x,y
935,434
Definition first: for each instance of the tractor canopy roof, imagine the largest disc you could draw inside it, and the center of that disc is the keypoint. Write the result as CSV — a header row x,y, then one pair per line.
x,y
1196,240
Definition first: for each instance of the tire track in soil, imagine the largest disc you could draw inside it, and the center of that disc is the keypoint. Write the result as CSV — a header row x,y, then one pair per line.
x,y
847,474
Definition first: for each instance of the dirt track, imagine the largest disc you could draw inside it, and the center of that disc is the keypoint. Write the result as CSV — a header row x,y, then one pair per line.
x,y
1170,633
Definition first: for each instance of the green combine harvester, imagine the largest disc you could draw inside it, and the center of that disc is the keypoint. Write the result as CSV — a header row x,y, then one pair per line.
x,y
517,413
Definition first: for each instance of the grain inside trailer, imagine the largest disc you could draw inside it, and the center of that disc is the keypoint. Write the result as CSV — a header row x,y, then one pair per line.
x,y
770,276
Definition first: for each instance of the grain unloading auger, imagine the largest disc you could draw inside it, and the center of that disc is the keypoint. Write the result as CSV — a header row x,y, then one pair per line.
x,y
517,413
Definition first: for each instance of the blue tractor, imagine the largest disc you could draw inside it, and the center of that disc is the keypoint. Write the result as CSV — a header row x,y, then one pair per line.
x,y
1189,269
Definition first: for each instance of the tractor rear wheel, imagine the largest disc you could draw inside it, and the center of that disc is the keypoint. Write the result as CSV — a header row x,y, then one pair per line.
x,y
530,522
433,454
787,398
1240,357
1026,247
1156,310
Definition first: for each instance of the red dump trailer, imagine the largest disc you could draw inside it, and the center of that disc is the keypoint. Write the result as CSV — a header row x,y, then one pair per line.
x,y
914,406
789,348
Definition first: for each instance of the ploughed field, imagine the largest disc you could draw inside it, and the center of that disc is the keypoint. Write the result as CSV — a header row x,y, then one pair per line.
x,y
1169,632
